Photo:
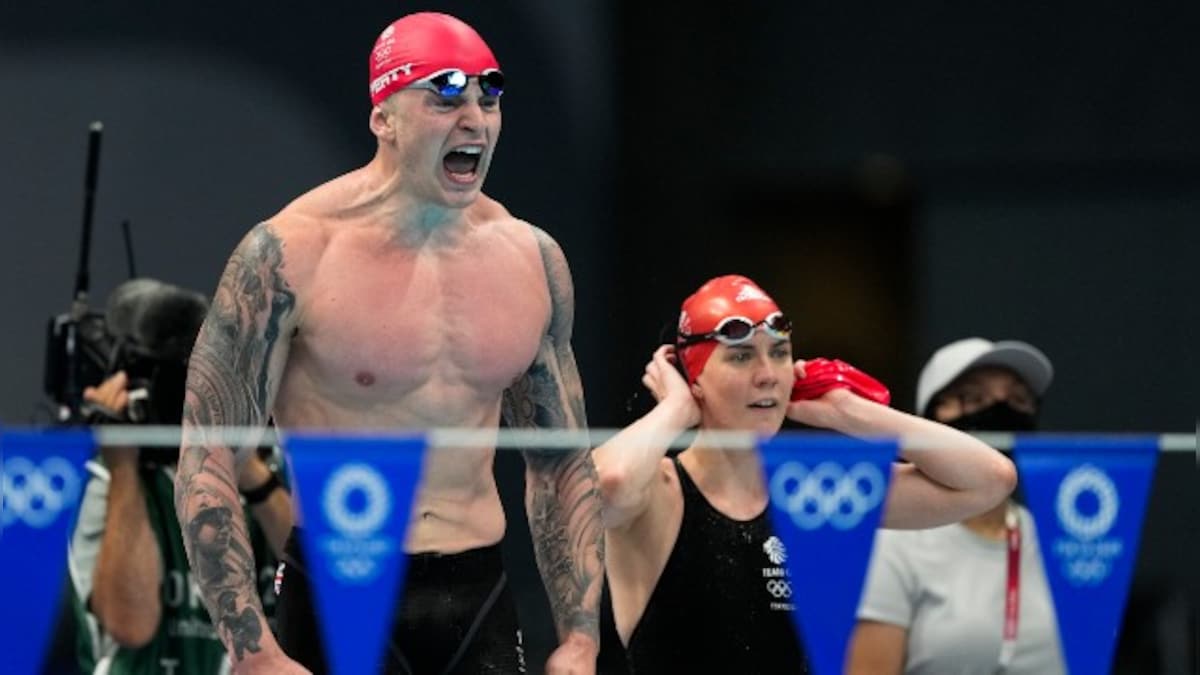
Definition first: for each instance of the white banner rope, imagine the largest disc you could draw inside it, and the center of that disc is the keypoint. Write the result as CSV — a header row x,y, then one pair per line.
x,y
167,436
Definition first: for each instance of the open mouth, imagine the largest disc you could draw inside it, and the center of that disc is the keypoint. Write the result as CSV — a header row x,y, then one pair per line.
x,y
765,404
462,163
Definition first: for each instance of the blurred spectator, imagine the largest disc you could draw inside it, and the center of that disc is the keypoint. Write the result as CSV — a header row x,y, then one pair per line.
x,y
935,600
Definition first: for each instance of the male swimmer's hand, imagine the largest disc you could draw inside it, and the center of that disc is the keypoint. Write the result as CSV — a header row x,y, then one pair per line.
x,y
667,385
576,656
817,376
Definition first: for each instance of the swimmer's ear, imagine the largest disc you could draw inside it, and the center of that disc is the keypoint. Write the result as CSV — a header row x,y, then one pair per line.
x,y
383,122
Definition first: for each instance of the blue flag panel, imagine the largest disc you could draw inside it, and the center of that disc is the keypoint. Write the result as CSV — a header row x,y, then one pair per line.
x,y
41,482
1088,497
826,501
355,495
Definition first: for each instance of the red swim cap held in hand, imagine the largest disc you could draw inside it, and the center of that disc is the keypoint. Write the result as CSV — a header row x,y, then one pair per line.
x,y
704,311
419,45
823,375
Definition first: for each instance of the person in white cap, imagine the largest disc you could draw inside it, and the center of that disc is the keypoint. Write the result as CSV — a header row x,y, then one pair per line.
x,y
980,385
969,597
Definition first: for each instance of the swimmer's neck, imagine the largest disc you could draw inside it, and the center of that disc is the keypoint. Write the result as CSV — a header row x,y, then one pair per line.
x,y
725,471
383,190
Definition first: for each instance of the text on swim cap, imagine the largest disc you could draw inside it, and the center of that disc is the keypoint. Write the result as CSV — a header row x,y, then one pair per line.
x,y
389,77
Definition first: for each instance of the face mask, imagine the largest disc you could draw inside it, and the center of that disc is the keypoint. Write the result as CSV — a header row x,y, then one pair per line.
x,y
997,417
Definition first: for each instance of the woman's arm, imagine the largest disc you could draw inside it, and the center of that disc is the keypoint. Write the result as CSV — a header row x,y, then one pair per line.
x,y
950,475
628,463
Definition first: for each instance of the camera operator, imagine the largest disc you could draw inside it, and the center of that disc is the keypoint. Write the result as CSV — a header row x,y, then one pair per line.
x,y
137,607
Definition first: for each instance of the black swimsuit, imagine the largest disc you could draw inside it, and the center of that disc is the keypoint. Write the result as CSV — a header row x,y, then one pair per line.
x,y
457,616
723,602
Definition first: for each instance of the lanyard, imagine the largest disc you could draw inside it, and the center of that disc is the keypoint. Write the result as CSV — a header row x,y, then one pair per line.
x,y
1012,587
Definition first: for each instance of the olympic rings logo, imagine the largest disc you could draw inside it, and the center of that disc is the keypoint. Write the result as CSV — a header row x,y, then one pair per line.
x,y
827,494
35,494
376,500
780,589
1087,479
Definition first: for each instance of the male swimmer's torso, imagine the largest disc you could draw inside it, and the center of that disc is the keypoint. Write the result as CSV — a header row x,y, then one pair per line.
x,y
412,330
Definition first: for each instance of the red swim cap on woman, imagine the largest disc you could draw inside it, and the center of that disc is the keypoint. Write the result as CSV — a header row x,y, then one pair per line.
x,y
719,298
419,45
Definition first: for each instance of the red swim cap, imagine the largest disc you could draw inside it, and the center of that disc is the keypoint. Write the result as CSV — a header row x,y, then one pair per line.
x,y
419,45
719,298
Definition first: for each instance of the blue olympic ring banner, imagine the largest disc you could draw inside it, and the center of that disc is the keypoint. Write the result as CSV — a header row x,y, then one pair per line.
x,y
354,495
42,477
1088,498
826,498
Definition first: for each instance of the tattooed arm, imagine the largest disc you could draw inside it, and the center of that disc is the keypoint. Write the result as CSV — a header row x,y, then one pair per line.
x,y
560,486
233,374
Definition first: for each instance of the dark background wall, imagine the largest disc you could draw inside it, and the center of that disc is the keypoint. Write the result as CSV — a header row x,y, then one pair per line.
x,y
898,176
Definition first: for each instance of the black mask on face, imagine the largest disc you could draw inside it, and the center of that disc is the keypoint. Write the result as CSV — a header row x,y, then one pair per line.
x,y
997,417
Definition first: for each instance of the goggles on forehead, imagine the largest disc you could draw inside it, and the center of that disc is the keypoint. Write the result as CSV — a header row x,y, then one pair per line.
x,y
453,82
736,330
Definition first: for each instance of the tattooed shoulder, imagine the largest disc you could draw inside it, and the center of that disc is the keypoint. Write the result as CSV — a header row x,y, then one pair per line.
x,y
233,369
558,279
262,245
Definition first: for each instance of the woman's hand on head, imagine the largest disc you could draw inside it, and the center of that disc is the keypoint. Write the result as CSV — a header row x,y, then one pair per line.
x,y
666,383
823,412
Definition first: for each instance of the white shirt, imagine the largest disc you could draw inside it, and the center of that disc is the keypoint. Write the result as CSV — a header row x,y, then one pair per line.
x,y
946,585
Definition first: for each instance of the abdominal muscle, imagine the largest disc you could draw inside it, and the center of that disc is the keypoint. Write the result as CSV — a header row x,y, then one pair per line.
x,y
456,506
